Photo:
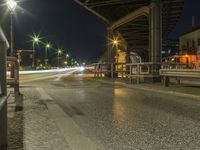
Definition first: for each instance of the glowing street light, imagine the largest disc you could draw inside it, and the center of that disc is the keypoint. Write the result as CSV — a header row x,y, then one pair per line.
x,y
59,52
35,40
12,5
47,46
115,42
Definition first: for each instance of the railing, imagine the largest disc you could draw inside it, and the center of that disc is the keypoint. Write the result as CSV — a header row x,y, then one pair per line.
x,y
178,74
136,71
143,70
3,91
171,65
101,70
123,70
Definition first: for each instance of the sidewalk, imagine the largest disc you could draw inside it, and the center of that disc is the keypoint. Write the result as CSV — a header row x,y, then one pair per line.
x,y
31,126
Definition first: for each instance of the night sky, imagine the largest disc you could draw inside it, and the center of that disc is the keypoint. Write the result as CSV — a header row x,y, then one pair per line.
x,y
73,28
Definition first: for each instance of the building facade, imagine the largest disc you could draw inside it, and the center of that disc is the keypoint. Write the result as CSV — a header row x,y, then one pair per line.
x,y
190,42
170,47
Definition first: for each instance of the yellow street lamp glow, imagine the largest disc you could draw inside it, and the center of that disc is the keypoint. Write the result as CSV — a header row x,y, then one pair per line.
x,y
115,42
11,5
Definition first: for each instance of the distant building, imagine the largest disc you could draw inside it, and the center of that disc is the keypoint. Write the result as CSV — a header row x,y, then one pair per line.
x,y
170,47
190,42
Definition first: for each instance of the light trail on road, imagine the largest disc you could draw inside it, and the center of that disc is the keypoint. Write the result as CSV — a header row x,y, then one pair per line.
x,y
49,71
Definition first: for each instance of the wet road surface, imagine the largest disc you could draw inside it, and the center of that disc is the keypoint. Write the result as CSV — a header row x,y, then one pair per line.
x,y
119,118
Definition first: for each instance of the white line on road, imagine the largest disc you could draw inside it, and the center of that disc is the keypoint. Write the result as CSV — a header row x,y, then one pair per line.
x,y
72,133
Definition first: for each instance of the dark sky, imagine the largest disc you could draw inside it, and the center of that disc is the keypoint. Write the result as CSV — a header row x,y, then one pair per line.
x,y
73,28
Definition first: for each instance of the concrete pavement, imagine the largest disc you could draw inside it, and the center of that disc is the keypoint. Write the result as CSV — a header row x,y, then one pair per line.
x,y
106,116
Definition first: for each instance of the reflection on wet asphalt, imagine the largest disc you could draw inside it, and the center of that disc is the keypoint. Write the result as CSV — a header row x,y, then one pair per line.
x,y
115,117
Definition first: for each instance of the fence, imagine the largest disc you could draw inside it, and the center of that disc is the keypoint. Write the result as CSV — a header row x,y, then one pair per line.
x,y
136,71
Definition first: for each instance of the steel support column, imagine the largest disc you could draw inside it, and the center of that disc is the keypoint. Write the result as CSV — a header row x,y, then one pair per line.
x,y
155,34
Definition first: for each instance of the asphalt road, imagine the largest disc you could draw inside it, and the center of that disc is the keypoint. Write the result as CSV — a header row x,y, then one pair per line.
x,y
119,118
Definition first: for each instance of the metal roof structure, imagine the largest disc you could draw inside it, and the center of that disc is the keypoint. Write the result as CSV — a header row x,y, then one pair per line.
x,y
131,18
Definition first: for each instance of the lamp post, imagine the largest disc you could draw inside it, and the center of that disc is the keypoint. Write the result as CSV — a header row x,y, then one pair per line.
x,y
115,43
59,52
11,6
48,46
35,40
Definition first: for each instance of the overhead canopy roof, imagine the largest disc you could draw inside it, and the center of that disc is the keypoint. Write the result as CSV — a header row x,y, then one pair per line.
x,y
135,32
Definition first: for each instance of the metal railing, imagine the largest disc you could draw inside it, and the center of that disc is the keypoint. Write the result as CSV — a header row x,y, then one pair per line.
x,y
166,74
123,70
171,65
101,70
3,91
135,71
143,70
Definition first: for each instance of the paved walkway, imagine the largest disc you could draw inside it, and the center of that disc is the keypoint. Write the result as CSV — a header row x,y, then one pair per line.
x,y
31,126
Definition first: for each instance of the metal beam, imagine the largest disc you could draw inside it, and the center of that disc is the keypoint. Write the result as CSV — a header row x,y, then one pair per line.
x,y
92,11
143,11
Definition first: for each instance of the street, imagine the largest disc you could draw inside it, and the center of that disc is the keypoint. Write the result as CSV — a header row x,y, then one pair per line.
x,y
110,116
100,75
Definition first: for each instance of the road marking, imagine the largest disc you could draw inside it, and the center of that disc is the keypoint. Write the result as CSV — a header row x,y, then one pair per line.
x,y
72,133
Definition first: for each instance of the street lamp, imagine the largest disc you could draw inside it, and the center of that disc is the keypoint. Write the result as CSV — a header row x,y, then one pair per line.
x,y
47,46
11,6
35,40
59,52
116,43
